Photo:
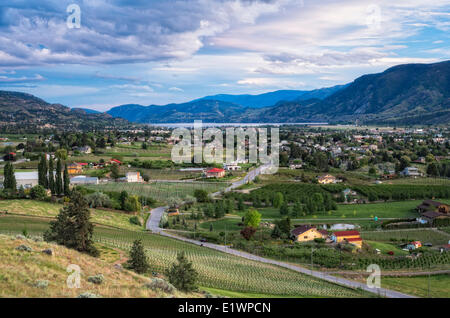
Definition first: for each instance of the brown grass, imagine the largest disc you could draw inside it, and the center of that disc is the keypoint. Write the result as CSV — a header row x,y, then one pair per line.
x,y
20,270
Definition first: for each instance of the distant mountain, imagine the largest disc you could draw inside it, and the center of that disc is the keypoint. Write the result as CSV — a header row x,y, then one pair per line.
x,y
272,98
404,94
206,110
88,111
26,111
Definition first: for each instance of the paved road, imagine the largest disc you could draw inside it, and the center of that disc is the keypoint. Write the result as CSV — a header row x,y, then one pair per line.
x,y
153,225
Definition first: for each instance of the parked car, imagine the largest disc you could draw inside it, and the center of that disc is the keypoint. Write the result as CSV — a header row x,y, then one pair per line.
x,y
390,253
428,244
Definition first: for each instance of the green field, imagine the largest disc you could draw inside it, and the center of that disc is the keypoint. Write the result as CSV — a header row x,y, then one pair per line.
x,y
423,235
396,210
418,285
160,191
216,270
46,209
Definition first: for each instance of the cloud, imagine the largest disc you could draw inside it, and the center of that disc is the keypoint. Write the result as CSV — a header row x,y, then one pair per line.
x,y
22,79
270,82
116,31
176,89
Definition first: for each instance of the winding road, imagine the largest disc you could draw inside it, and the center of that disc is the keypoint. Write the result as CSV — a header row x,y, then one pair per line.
x,y
155,218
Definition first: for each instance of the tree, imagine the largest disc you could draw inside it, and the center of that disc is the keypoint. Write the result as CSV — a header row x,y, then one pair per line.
x,y
61,154
241,205
285,226
321,161
66,188
138,260
38,192
276,233
252,218
51,177
115,171
182,275
42,171
9,177
278,200
58,181
433,169
372,171
72,227
284,209
123,199
132,204
201,195
248,232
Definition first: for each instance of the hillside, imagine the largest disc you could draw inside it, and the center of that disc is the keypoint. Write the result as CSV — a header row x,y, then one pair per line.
x,y
27,111
22,273
272,98
206,110
404,94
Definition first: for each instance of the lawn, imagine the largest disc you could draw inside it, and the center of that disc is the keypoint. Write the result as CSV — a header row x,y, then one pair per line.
x,y
46,209
227,224
418,285
387,247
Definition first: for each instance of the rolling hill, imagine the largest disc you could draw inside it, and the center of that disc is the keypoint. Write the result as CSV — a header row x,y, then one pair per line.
x,y
23,110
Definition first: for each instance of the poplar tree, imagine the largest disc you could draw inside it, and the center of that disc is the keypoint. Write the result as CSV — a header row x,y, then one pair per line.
x,y
51,177
42,171
9,177
66,181
58,184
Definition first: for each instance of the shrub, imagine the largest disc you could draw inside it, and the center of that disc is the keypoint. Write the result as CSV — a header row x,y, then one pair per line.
x,y
42,284
160,284
135,220
96,279
38,192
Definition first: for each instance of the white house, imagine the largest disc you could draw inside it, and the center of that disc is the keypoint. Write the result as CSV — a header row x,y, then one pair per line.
x,y
232,167
411,172
27,179
133,177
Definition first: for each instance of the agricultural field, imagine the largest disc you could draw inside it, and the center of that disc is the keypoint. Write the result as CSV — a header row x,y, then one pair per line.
x,y
161,191
51,210
234,274
434,286
423,235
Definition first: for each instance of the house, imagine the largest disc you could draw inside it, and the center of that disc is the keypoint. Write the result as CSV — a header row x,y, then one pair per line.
x,y
435,206
413,245
173,211
27,179
133,177
115,161
307,233
352,237
75,168
85,149
83,180
326,179
232,167
411,172
295,166
215,173
430,216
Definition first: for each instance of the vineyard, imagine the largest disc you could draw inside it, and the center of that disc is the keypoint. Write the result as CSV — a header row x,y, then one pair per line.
x,y
294,192
403,192
216,269
423,235
160,191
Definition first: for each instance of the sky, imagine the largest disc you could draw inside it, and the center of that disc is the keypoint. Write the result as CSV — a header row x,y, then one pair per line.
x,y
103,53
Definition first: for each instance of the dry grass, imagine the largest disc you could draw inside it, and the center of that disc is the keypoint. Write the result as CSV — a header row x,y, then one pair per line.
x,y
20,270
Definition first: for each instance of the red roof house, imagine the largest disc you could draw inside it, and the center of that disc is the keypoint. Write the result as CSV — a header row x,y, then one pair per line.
x,y
215,173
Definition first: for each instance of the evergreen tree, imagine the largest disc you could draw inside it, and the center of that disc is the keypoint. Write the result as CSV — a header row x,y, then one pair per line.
x,y
66,188
138,260
284,209
123,199
9,177
182,275
72,227
43,172
276,233
51,177
58,182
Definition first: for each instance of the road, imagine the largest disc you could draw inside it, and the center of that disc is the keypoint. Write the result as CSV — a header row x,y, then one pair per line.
x,y
155,218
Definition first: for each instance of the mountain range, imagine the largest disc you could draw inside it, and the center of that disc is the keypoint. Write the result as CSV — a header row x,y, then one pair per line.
x,y
401,95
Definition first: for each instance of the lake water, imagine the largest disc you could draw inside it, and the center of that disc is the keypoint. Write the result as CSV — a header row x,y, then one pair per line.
x,y
191,125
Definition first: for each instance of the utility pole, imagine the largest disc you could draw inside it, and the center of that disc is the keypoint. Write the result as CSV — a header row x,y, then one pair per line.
x,y
312,263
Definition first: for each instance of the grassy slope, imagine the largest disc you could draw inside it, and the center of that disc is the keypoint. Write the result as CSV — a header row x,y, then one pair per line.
x,y
19,271
217,270
37,208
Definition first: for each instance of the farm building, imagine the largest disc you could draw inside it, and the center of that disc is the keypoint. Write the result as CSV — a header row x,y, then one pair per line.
x,y
75,168
326,179
352,237
430,205
133,177
27,179
231,167
307,233
215,173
